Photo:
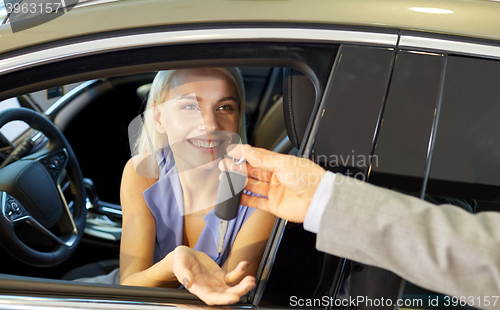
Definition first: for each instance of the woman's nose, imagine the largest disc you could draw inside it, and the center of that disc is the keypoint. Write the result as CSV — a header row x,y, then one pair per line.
x,y
209,122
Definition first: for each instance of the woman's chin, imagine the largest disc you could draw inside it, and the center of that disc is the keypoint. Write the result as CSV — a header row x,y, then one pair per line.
x,y
189,157
212,165
198,164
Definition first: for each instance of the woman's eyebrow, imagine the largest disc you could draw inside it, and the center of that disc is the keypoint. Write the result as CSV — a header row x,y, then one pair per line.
x,y
189,96
228,98
193,97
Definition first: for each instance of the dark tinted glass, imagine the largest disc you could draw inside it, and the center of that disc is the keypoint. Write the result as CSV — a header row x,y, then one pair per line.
x,y
464,163
344,143
466,155
402,143
351,114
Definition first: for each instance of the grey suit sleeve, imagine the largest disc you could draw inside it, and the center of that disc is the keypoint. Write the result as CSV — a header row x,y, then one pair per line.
x,y
442,248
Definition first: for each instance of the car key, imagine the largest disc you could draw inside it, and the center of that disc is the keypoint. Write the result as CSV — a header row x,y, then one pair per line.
x,y
229,193
222,234
227,209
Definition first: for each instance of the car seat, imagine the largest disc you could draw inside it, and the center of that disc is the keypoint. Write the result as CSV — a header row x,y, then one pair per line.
x,y
270,132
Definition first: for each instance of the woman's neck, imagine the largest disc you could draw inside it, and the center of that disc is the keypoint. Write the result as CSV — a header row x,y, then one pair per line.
x,y
199,188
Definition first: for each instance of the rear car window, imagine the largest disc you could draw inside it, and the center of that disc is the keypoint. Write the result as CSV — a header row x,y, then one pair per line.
x,y
464,166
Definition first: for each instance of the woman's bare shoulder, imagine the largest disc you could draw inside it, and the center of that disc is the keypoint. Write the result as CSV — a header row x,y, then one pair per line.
x,y
134,183
143,166
137,169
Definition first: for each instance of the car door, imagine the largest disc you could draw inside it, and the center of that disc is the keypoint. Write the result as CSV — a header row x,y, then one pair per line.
x,y
438,139
340,137
429,130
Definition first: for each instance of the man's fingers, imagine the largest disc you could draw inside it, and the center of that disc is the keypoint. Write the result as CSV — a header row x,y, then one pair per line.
x,y
255,202
263,159
235,151
228,164
259,174
247,169
257,187
257,157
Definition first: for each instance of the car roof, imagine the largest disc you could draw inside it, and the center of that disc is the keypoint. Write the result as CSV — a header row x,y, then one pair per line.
x,y
470,18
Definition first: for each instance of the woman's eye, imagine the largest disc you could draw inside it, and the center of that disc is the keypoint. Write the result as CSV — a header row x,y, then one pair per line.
x,y
225,108
190,107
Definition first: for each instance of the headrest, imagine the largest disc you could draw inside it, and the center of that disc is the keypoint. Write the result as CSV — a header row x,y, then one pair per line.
x,y
143,92
299,96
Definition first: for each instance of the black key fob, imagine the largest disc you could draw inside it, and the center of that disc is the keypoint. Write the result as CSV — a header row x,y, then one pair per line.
x,y
229,195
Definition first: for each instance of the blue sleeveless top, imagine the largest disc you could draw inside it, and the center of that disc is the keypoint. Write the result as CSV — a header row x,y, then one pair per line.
x,y
164,199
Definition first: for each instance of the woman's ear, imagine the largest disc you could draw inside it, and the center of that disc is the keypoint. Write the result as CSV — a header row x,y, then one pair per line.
x,y
157,120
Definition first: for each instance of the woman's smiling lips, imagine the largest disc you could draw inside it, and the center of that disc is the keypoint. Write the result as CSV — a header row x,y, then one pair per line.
x,y
206,145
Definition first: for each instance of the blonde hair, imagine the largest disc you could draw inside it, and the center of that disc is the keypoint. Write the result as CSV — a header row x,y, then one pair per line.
x,y
150,140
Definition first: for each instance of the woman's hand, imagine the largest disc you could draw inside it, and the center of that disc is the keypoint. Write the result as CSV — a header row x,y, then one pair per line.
x,y
204,278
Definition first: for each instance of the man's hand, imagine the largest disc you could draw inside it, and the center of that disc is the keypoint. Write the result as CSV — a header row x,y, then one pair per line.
x,y
204,278
289,182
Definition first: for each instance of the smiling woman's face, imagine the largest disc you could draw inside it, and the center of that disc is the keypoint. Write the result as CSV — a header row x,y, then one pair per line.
x,y
200,116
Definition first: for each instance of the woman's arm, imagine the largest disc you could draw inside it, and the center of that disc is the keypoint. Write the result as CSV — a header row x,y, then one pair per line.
x,y
139,235
250,244
200,274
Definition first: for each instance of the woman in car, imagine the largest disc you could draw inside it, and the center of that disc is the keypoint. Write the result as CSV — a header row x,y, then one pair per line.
x,y
169,188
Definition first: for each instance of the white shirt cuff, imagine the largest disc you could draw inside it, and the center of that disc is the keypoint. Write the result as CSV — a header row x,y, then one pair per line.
x,y
319,202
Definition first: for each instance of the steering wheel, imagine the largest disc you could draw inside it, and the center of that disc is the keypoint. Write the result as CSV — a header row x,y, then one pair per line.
x,y
30,195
